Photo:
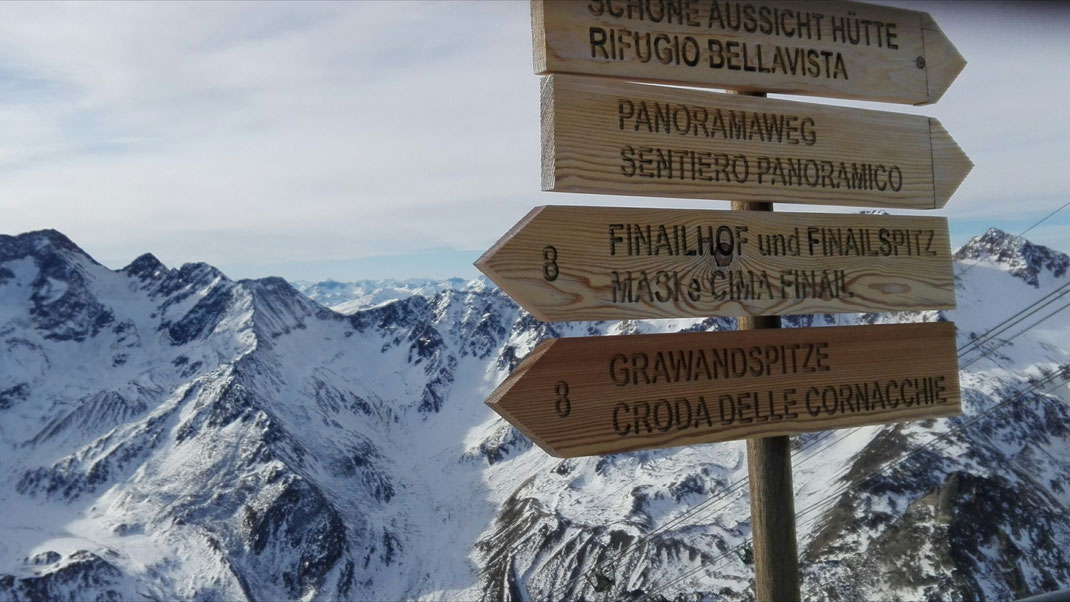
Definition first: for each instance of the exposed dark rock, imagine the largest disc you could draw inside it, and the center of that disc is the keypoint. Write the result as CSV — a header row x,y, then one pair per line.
x,y
145,267
84,576
1025,259
202,318
13,395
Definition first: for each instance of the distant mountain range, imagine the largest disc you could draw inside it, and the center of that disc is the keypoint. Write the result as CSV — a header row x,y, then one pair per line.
x,y
170,433
349,297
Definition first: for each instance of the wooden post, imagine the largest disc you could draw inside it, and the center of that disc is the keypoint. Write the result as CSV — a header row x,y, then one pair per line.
x,y
772,498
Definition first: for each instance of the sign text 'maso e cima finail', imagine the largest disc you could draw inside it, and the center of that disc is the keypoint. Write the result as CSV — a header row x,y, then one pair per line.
x,y
566,263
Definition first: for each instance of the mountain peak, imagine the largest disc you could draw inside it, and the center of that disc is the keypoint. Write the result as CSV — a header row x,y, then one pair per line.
x,y
145,266
200,272
37,243
276,289
1016,254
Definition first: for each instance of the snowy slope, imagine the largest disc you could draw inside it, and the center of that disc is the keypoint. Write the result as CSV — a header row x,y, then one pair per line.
x,y
349,297
171,433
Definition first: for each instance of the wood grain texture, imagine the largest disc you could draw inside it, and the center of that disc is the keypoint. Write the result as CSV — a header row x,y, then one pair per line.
x,y
608,263
599,395
820,48
772,497
772,511
943,61
606,136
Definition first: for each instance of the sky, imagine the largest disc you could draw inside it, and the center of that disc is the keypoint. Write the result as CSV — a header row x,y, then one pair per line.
x,y
399,139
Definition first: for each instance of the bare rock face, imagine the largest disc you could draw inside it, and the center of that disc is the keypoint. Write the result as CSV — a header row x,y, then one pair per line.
x,y
1023,259
81,576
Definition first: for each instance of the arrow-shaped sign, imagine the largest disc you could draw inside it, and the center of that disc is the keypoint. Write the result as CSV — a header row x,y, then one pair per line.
x,y
607,263
837,49
611,137
599,395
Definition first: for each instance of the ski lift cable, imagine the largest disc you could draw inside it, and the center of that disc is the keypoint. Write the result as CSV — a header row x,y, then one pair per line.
x,y
892,464
830,444
723,494
626,549
836,439
847,433
1010,322
1024,312
1020,234
737,484
1020,333
964,350
937,439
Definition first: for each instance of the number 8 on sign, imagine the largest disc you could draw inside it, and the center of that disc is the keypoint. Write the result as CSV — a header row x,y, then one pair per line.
x,y
563,405
549,264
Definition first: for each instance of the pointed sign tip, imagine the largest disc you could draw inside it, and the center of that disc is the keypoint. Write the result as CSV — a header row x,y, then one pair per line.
x,y
518,373
943,63
498,270
496,399
483,264
950,164
485,260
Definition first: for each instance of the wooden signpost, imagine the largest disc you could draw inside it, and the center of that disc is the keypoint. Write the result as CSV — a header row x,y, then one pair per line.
x,y
610,137
584,396
823,48
603,263
600,395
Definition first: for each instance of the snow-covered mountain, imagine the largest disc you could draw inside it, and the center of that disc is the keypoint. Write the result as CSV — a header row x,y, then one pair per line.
x,y
348,297
171,433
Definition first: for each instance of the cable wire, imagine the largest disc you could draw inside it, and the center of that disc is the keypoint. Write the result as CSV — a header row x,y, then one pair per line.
x,y
976,344
1006,341
1019,235
1063,373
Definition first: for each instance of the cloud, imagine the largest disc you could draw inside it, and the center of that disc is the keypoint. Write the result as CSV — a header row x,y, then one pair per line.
x,y
238,133
344,124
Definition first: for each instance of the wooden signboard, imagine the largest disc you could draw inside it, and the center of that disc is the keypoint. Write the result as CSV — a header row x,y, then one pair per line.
x,y
598,395
606,263
822,48
611,137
